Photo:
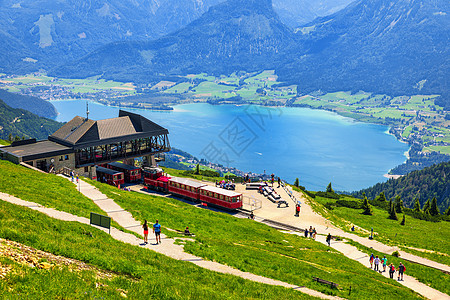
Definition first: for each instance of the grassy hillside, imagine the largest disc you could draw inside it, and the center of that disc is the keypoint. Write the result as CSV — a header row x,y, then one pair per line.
x,y
424,184
256,248
432,236
46,189
136,272
22,123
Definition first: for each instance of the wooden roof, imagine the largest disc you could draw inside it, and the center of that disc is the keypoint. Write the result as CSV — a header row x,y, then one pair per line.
x,y
84,132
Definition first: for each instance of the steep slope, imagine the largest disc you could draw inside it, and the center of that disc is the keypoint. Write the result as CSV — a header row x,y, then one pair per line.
x,y
232,36
35,105
424,184
395,47
22,123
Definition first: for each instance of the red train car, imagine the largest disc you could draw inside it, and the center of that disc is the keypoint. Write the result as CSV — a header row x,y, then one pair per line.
x,y
131,173
185,187
220,197
155,179
109,176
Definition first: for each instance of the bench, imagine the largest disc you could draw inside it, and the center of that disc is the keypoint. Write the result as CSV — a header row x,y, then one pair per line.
x,y
332,284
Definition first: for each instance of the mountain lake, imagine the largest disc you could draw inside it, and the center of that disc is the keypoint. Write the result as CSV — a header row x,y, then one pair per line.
x,y
316,146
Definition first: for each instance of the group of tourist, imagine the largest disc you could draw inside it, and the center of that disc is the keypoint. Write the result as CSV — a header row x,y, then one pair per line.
x,y
375,261
311,231
74,175
156,231
228,185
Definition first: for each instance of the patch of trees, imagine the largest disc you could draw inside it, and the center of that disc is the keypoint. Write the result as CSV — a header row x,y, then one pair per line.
x,y
35,105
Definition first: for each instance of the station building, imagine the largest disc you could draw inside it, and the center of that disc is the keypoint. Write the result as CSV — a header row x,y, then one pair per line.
x,y
81,144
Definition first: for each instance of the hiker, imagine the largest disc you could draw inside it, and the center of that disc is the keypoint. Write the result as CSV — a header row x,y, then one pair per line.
x,y
384,262
391,271
329,239
279,182
186,231
297,210
377,262
306,232
145,227
157,231
353,228
371,258
272,179
314,233
252,216
310,231
71,175
77,177
401,269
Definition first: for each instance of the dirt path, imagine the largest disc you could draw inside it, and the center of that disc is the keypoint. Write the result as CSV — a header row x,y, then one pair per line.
x,y
167,247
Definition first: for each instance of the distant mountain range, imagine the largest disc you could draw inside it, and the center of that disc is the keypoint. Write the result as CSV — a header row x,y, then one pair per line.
x,y
394,47
232,36
379,46
43,34
424,184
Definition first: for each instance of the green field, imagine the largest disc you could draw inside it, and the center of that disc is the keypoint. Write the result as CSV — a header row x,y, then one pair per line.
x,y
261,250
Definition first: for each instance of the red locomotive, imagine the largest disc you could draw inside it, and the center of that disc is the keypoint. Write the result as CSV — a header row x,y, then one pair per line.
x,y
154,178
131,173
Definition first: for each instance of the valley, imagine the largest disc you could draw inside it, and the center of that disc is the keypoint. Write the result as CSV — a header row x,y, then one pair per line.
x,y
416,120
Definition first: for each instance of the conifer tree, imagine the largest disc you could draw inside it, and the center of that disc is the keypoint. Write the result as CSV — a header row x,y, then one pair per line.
x,y
434,209
329,188
403,222
398,204
197,169
296,182
426,207
382,197
367,207
417,205
447,212
392,213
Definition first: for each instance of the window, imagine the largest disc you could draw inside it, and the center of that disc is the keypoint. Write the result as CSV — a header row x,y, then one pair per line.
x,y
66,157
86,169
61,158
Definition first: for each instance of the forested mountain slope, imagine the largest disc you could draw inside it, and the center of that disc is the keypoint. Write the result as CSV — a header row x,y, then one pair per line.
x,y
424,184
22,123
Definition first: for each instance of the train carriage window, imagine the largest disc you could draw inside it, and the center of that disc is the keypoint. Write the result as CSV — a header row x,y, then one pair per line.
x,y
221,197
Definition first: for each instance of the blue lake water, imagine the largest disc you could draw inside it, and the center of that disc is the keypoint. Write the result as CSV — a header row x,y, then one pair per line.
x,y
316,146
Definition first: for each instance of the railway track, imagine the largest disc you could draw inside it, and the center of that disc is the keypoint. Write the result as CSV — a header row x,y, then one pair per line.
x,y
271,223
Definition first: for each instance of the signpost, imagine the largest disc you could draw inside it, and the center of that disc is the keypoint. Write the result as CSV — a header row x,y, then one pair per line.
x,y
100,220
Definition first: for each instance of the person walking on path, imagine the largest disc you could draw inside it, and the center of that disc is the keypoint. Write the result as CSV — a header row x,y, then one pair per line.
x,y
310,231
384,262
377,262
401,269
391,271
329,239
272,179
279,182
306,232
314,233
157,231
371,258
71,175
297,210
145,227
77,177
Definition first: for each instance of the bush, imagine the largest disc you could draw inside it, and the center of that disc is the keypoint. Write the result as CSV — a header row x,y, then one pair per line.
x,y
330,195
396,254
